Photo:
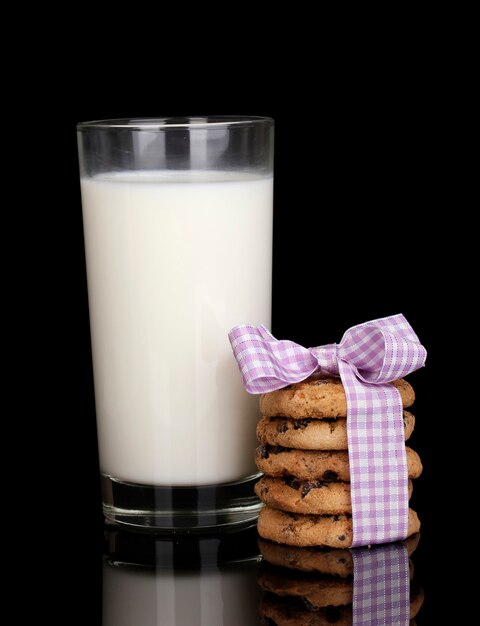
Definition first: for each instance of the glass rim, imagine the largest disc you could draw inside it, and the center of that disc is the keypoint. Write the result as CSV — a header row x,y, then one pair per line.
x,y
187,122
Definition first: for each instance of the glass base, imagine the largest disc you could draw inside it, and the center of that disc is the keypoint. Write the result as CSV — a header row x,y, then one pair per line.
x,y
207,508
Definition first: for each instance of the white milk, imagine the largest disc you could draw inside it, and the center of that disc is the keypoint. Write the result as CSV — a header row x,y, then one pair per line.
x,y
174,261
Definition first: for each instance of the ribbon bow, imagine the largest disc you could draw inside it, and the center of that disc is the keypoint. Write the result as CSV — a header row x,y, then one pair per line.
x,y
368,357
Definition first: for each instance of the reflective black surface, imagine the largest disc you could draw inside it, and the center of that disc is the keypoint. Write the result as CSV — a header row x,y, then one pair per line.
x,y
233,579
107,577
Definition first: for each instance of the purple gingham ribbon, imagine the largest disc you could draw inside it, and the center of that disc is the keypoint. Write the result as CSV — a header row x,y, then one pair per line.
x,y
381,586
368,357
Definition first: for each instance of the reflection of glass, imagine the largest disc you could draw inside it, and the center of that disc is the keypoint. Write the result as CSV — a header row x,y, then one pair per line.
x,y
183,581
317,586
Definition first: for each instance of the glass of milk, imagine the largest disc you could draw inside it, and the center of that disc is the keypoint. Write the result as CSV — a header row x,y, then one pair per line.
x,y
177,219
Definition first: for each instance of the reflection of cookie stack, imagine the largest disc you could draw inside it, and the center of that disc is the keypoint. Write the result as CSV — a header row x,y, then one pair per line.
x,y
304,457
314,586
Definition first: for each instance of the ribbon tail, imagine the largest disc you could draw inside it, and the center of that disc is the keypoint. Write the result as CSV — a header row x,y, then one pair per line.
x,y
377,458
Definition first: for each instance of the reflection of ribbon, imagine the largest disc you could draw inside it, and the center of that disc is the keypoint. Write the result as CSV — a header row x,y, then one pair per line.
x,y
381,586
369,356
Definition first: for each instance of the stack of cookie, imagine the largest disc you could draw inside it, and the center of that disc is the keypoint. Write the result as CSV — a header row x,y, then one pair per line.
x,y
312,586
304,456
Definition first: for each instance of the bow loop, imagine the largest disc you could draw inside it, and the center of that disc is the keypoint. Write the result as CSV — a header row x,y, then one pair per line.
x,y
267,364
382,350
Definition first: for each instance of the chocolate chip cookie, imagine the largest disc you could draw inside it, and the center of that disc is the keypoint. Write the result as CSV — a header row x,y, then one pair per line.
x,y
318,397
316,464
311,497
312,433
334,531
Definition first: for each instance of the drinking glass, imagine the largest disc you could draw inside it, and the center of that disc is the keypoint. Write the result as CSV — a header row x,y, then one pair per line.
x,y
177,217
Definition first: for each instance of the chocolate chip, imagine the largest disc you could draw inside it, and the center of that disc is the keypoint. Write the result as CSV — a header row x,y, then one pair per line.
x,y
342,560
311,484
341,537
292,482
307,487
308,604
263,451
332,614
336,518
330,475
277,449
301,424
282,427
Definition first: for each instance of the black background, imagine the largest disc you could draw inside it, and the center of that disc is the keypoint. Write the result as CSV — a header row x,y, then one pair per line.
x,y
358,177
